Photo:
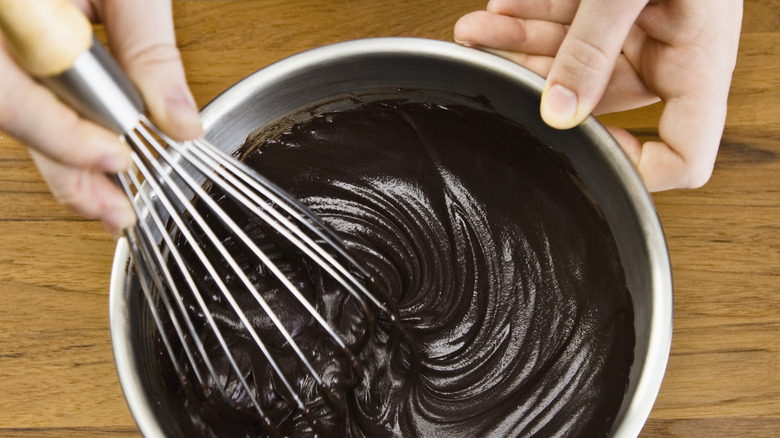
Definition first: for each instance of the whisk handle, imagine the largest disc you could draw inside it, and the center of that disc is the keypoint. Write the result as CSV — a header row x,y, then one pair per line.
x,y
46,35
53,40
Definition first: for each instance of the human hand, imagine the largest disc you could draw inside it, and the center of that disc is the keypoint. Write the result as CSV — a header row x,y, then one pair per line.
x,y
73,154
605,56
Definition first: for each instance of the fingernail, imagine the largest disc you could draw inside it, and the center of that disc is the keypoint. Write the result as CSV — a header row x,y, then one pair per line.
x,y
559,107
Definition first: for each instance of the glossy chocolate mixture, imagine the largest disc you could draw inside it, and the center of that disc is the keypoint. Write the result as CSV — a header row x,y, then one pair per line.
x,y
505,276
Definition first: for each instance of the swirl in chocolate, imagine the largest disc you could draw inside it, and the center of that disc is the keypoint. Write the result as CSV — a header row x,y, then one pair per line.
x,y
505,275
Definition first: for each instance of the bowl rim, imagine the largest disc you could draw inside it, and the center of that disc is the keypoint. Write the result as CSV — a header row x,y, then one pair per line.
x,y
632,417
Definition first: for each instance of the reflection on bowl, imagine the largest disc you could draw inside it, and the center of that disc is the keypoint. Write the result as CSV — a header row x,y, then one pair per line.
x,y
363,66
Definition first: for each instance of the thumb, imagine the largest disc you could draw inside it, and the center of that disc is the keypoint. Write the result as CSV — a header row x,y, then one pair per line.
x,y
141,35
585,61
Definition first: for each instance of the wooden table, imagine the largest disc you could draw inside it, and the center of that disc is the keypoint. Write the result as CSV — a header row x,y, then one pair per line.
x,y
57,375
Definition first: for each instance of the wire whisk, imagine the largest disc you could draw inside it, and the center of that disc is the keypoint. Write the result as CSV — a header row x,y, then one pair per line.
x,y
182,228
163,185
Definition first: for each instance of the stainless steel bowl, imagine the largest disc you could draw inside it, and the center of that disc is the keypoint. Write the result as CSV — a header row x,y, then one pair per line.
x,y
364,66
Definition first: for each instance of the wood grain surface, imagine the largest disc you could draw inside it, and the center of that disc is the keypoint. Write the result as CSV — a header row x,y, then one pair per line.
x,y
57,376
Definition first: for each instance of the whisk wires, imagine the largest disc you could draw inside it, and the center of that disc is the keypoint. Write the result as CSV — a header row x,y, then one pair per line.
x,y
167,178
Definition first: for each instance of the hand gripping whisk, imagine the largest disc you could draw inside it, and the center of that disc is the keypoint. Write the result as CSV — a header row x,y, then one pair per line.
x,y
178,190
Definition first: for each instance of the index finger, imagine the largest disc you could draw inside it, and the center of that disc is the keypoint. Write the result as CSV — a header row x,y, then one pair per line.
x,y
557,11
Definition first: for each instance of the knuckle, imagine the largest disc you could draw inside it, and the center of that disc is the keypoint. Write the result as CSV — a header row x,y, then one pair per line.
x,y
698,164
70,191
588,58
152,55
698,175
68,143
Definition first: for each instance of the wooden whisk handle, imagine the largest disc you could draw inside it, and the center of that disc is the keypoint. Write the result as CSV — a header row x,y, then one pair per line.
x,y
46,35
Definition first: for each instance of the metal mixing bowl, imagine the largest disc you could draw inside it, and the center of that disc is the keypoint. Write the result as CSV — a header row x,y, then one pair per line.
x,y
364,66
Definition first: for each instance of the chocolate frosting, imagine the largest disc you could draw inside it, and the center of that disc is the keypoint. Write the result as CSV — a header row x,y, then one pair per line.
x,y
513,315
